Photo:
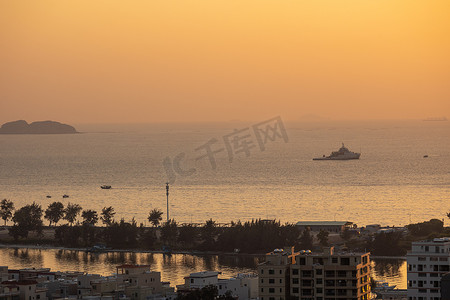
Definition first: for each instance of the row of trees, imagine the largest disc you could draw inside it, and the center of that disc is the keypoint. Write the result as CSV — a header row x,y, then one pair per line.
x,y
29,218
251,236
57,212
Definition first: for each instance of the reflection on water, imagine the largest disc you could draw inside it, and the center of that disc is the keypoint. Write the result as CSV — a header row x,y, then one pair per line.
x,y
390,270
173,268
27,256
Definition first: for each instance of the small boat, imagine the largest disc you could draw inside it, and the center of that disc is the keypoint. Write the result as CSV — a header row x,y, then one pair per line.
x,y
425,156
342,154
106,187
48,196
65,196
98,248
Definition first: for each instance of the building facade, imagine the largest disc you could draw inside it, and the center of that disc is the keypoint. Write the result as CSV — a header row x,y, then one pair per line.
x,y
427,261
314,276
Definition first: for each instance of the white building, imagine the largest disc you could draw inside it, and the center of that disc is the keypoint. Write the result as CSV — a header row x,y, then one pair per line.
x,y
427,261
201,279
242,286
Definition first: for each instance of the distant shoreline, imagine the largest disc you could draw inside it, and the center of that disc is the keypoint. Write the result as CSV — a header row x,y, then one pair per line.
x,y
189,252
40,127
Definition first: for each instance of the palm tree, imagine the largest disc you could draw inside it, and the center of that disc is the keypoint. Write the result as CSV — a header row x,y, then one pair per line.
x,y
169,232
155,216
71,212
89,217
6,209
107,215
54,212
208,233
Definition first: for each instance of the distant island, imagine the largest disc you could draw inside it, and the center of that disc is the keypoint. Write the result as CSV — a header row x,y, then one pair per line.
x,y
42,127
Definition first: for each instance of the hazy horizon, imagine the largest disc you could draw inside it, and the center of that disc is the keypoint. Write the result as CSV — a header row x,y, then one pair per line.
x,y
141,61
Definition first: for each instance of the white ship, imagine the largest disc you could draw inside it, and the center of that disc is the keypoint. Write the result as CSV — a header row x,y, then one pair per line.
x,y
342,154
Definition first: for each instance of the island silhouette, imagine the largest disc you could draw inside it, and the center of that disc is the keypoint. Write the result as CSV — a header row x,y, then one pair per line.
x,y
41,127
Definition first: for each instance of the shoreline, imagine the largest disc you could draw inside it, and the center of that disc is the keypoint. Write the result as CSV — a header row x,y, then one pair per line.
x,y
188,252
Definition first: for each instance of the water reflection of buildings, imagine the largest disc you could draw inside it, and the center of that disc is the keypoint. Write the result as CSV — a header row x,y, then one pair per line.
x,y
172,268
391,270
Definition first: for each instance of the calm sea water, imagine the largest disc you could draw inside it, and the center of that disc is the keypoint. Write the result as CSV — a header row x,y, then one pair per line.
x,y
173,268
391,184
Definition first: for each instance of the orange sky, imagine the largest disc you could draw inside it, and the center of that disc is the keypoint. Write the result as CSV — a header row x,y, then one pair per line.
x,y
219,60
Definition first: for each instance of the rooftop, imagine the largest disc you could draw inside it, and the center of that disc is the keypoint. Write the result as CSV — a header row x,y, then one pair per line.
x,y
435,240
323,223
204,274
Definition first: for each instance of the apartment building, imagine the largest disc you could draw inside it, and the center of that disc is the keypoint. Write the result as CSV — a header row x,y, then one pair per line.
x,y
314,276
330,275
274,274
27,289
427,262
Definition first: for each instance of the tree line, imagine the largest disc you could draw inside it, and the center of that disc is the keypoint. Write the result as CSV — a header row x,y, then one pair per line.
x,y
248,237
255,236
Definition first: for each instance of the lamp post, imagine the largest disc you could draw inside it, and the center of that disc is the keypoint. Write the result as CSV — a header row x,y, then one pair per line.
x,y
167,194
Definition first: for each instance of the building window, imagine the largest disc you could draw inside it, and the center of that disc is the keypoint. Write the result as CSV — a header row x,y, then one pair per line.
x,y
319,271
334,260
271,280
294,271
271,272
295,290
271,290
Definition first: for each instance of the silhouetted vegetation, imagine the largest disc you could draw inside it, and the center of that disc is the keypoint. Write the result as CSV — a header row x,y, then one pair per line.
x,y
322,236
90,217
387,244
26,219
6,209
426,228
306,240
256,236
155,216
121,234
54,212
107,215
71,212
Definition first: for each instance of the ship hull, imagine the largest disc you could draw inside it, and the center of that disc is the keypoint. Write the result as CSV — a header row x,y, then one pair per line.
x,y
335,158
